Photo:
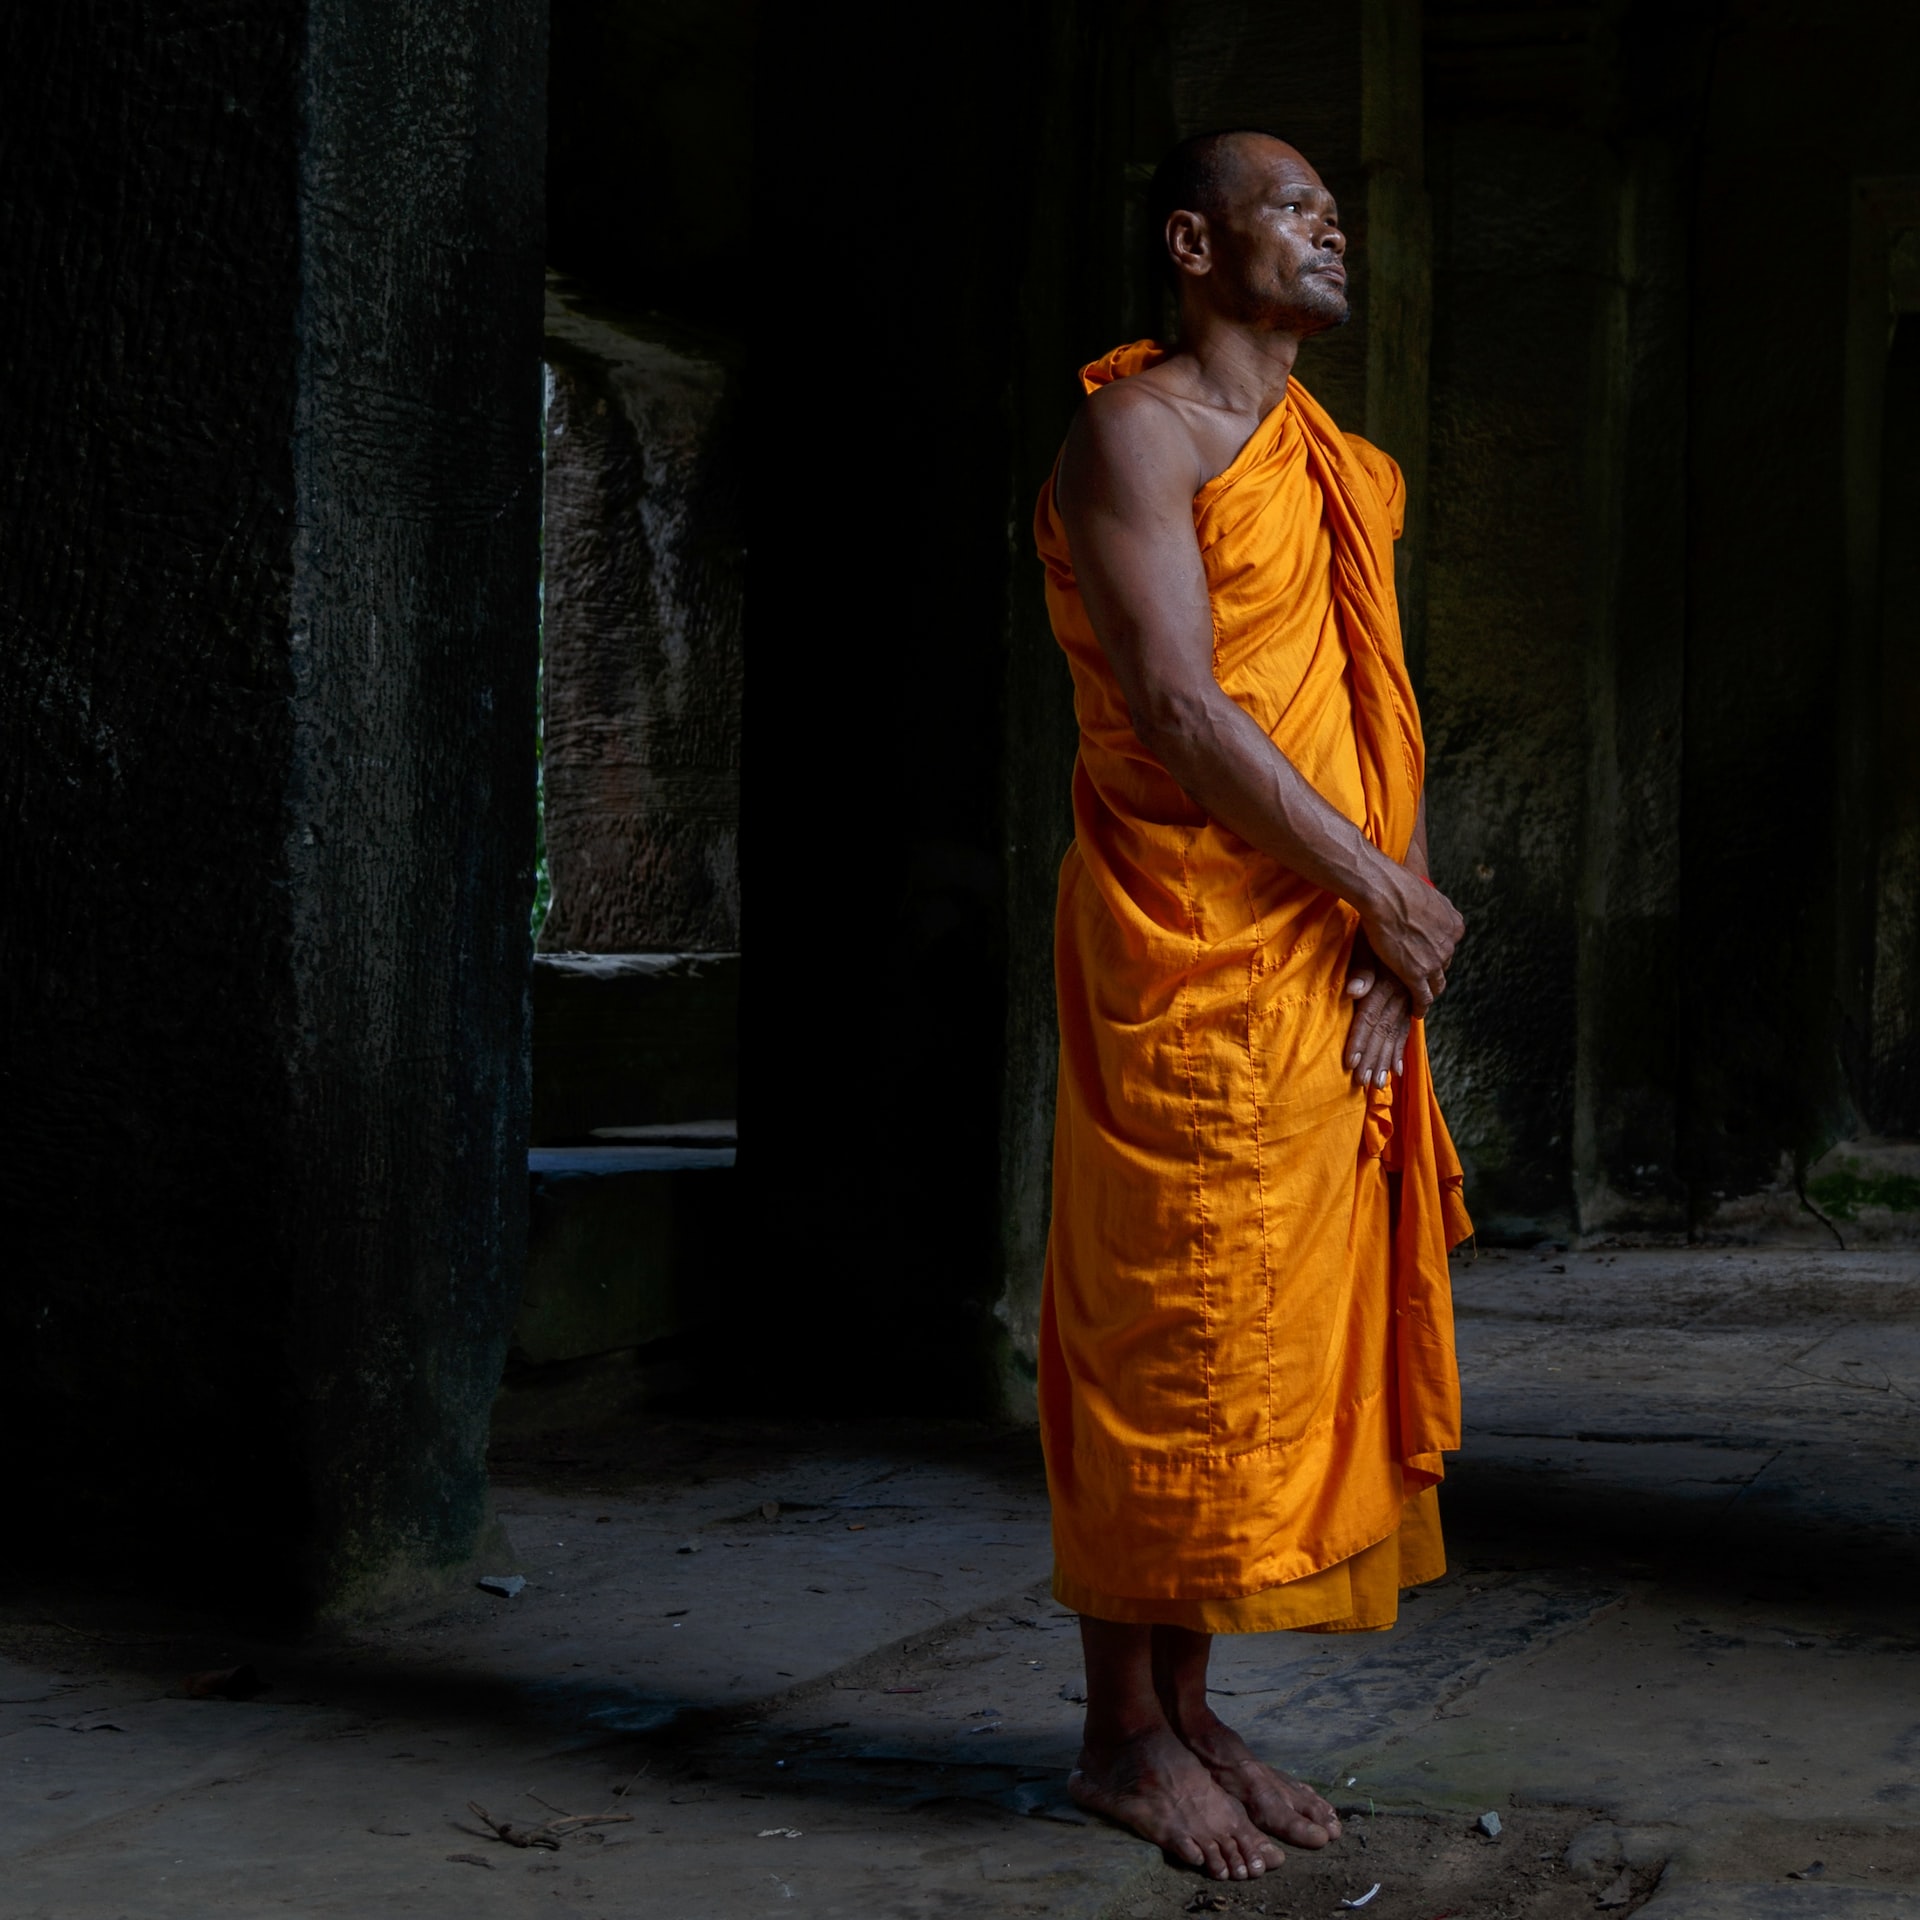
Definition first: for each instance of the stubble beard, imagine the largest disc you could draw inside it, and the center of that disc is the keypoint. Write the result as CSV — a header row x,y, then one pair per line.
x,y
1318,304
1307,304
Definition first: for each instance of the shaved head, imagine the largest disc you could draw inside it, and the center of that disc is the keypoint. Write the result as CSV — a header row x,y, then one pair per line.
x,y
1199,176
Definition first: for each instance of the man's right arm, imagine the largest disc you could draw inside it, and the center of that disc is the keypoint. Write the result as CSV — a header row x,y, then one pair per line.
x,y
1128,474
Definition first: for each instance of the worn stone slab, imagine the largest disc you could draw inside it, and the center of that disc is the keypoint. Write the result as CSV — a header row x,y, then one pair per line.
x,y
1435,1658
1809,1901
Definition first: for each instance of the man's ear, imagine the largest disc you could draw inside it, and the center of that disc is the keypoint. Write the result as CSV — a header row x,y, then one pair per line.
x,y
1189,242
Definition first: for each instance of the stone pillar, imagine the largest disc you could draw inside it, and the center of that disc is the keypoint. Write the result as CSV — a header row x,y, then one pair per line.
x,y
1783,803
1557,610
1627,1173
644,566
266,729
1891,1094
1877,845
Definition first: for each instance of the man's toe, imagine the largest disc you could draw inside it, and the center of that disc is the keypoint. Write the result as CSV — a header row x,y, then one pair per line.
x,y
1253,1847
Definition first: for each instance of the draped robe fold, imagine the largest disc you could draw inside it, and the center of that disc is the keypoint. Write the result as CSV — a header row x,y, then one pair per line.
x,y
1247,1374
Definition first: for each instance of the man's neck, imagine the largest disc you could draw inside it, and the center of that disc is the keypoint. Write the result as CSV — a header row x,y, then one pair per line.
x,y
1233,365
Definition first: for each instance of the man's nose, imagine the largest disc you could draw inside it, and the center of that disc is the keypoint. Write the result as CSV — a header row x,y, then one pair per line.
x,y
1334,241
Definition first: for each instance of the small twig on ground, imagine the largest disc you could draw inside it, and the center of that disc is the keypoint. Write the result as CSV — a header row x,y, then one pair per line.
x,y
549,1833
512,1835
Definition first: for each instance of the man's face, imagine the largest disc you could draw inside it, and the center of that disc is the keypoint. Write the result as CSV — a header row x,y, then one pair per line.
x,y
1276,254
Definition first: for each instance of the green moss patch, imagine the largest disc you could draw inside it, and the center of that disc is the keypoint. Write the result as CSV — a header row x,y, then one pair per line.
x,y
1845,1191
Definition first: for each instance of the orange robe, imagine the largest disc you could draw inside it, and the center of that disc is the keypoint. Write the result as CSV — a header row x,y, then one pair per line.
x,y
1247,1375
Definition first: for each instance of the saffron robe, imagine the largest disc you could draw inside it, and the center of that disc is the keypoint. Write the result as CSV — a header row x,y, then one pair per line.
x,y
1247,1372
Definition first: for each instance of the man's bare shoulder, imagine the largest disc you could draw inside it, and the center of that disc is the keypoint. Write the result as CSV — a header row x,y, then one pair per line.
x,y
1133,440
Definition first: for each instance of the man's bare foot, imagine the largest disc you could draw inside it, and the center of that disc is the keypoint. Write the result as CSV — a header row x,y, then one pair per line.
x,y
1279,1804
1154,1785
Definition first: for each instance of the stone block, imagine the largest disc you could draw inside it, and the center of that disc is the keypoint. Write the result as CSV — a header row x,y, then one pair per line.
x,y
633,1040
616,1232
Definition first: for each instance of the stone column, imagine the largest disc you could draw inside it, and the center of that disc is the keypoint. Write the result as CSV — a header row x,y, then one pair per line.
x,y
644,566
267,624
1787,817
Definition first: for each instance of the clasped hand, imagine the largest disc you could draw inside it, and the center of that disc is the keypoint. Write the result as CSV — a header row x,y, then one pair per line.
x,y
1421,936
1382,1018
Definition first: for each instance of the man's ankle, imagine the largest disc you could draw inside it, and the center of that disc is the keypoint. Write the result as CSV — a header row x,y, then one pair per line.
x,y
1106,1731
1189,1719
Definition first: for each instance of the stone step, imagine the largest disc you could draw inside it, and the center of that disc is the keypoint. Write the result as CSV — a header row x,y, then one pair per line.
x,y
620,1237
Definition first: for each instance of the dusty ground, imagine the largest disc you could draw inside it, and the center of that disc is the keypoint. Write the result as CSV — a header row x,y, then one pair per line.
x,y
1678,1655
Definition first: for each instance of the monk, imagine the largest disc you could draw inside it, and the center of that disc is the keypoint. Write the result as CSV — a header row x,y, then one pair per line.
x,y
1246,1371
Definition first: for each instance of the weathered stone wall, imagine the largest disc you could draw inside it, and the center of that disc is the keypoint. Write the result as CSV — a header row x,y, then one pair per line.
x,y
1666,717
1556,596
268,593
644,580
1892,1068
1795,758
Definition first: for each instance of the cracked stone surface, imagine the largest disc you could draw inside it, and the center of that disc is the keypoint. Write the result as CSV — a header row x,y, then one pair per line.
x,y
1678,1652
